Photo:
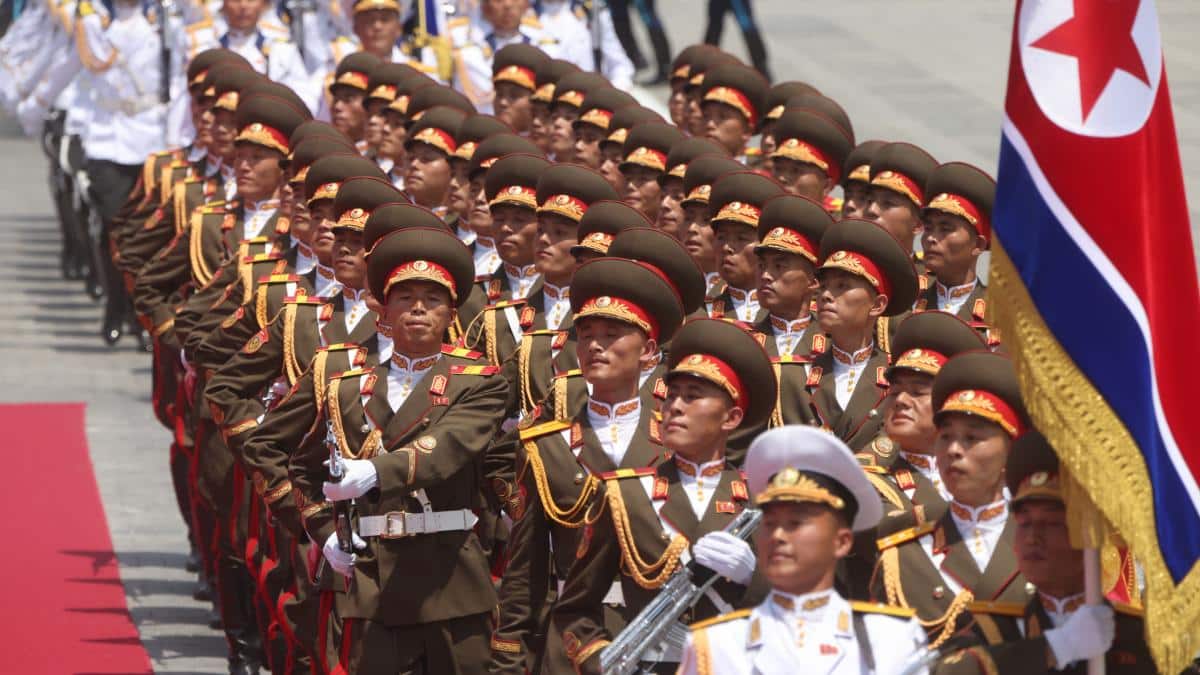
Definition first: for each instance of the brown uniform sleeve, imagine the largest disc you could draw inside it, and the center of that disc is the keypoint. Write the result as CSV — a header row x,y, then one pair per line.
x,y
166,273
236,387
579,615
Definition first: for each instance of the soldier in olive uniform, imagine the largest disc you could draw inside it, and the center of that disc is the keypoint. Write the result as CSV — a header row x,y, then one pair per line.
x,y
652,520
960,570
591,128
346,96
514,80
735,203
856,179
809,153
548,75
428,149
733,99
644,162
773,106
671,218
569,93
697,236
383,87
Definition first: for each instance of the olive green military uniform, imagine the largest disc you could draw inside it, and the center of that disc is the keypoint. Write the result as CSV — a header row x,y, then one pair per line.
x,y
736,200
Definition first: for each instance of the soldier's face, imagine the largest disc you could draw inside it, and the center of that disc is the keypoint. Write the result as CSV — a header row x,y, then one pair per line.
x,y
243,15
258,172
698,237
610,166
801,178
419,313
611,355
642,190
302,227
846,302
513,106
670,208
786,283
323,218
1043,547
427,175
697,416
895,213
378,30
539,125
766,145
971,453
504,15
562,135
736,261
349,258
695,119
799,544
347,112
373,131
515,229
856,195
392,136
725,125
224,130
480,218
587,145
459,199
552,248
909,418
677,105
202,120
951,246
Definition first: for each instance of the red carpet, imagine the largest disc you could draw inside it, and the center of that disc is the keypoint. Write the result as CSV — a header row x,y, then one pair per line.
x,y
64,605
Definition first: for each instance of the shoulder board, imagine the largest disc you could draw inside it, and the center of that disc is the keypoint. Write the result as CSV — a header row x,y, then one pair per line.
x,y
198,26
506,303
194,180
474,370
544,332
574,372
531,21
791,358
867,463
211,208
628,473
461,352
303,300
1016,609
545,428
876,608
1128,610
262,257
339,347
353,372
724,618
905,535
279,278
458,21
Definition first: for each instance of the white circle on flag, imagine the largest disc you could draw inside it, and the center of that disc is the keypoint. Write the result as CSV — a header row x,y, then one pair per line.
x,y
1125,102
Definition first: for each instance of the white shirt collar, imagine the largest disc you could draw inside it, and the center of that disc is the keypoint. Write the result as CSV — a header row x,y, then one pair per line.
x,y
952,298
521,279
980,528
614,425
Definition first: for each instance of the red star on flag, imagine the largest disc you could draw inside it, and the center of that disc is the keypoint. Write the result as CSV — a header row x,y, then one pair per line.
x,y
1100,38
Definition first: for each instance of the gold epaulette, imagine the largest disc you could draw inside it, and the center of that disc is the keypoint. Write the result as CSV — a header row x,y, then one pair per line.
x,y
461,352
261,257
574,372
353,372
867,463
628,473
1128,610
903,536
274,278
724,618
1016,609
303,300
531,21
879,608
474,370
506,303
458,21
544,428
340,347
542,332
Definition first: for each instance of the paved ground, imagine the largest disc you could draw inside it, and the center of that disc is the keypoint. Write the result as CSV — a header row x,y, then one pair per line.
x,y
939,81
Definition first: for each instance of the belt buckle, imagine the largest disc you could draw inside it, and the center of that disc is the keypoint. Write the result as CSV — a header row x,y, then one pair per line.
x,y
391,517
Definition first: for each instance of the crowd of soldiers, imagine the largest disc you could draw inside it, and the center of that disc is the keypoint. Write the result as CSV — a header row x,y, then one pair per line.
x,y
467,354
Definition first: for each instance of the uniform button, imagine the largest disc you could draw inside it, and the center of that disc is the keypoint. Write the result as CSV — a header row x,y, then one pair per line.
x,y
366,428
939,592
1030,589
873,413
666,537
579,478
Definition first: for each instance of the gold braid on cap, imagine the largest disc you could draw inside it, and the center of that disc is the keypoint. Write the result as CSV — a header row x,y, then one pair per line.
x,y
792,485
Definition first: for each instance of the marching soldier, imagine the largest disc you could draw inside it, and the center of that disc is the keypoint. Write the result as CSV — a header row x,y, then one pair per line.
x,y
382,89
814,498
410,433
809,153
698,69
514,80
865,274
1059,633
671,216
471,219
774,105
698,237
428,149
899,173
649,521
592,126
510,186
548,75
735,203
644,162
856,179
677,102
733,98
394,130
612,147
476,39
347,92
961,570
569,94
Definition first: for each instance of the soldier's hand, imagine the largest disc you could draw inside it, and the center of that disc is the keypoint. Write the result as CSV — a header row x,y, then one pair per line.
x,y
1085,634
726,555
338,559
359,478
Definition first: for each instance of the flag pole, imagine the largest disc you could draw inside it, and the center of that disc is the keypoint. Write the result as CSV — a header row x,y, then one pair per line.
x,y
1092,592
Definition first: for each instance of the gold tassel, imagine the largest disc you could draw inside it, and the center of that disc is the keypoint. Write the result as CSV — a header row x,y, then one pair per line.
x,y
572,517
777,414
290,367
647,575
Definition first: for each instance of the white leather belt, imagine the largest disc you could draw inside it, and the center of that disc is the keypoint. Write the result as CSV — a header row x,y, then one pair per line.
x,y
397,524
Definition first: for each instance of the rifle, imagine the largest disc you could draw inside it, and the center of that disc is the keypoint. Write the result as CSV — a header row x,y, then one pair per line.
x,y
341,509
658,625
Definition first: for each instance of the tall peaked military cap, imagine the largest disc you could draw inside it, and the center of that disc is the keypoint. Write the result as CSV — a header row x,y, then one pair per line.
x,y
726,354
808,136
199,66
359,196
648,144
799,463
965,191
310,150
599,106
434,95
432,254
681,66
865,249
981,384
280,91
227,84
1032,470
628,291
268,121
702,172
316,129
405,90
684,151
740,87
655,247
438,127
824,105
624,119
704,61
492,148
389,218
325,175
385,80
354,71
518,63
739,197
548,75
572,88
513,180
602,222
473,130
779,94
569,189
793,224
903,168
857,167
926,340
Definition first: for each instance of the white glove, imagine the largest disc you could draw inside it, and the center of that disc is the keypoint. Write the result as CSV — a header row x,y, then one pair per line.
x,y
1086,634
726,555
338,559
360,477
